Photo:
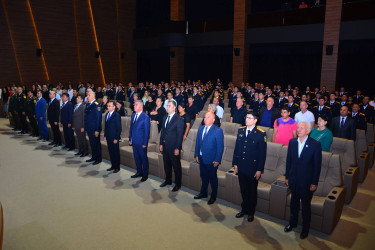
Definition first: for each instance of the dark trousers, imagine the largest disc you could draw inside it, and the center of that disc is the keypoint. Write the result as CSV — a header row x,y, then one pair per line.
x,y
172,161
114,153
96,147
141,160
248,187
304,197
56,132
42,124
23,122
208,175
69,136
16,121
81,138
33,124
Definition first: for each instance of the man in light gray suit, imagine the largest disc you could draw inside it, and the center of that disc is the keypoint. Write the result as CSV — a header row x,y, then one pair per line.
x,y
79,126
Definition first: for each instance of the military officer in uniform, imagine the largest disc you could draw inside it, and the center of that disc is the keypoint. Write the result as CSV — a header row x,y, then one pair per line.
x,y
359,117
21,110
13,111
30,112
93,126
322,109
249,158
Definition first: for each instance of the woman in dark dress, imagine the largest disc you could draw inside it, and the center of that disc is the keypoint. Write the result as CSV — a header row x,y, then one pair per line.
x,y
120,108
150,105
191,109
158,113
185,117
104,104
212,109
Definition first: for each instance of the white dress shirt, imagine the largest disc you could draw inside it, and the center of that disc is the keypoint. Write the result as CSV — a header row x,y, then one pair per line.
x,y
170,119
301,145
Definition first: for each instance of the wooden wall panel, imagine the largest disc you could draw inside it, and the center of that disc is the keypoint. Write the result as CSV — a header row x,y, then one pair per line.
x,y
8,64
57,36
25,41
127,23
104,12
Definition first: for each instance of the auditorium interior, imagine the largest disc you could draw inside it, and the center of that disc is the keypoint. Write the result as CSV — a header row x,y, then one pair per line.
x,y
315,52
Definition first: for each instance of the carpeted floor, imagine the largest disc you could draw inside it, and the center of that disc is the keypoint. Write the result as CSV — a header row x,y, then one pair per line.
x,y
53,200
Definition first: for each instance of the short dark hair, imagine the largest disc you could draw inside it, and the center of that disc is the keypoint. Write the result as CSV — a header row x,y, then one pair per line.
x,y
66,94
114,103
182,105
323,117
255,115
285,108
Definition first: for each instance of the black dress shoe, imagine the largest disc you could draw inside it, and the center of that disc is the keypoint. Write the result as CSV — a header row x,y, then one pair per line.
x,y
144,178
96,162
79,153
303,235
240,214
90,160
250,218
52,143
136,176
165,184
110,169
288,228
116,170
84,154
200,196
176,188
71,149
211,201
64,147
56,145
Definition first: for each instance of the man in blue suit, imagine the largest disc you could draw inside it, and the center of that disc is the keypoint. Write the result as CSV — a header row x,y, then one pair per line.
x,y
303,163
112,134
209,149
138,138
40,116
93,126
66,121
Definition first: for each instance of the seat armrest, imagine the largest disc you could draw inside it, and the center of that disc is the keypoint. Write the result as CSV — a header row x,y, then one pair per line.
x,y
351,176
371,151
332,210
363,164
194,178
278,196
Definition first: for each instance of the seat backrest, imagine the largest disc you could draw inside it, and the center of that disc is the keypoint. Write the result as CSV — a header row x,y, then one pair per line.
x,y
360,142
230,128
197,123
127,104
188,146
125,126
229,144
274,163
226,117
330,174
345,148
1,225
267,130
202,113
370,133
154,133
269,134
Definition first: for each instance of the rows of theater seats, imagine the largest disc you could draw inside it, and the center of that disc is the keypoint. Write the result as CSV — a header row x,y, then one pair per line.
x,y
342,169
1,226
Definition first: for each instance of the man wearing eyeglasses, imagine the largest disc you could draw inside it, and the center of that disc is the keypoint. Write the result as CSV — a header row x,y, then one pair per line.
x,y
249,158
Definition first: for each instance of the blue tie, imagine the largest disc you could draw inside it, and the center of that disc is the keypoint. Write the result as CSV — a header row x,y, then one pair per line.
x,y
109,115
135,118
166,125
204,132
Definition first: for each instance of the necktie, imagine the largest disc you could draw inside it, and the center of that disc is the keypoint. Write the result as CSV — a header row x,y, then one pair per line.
x,y
63,105
320,108
166,125
109,115
342,122
204,132
135,118
248,132
75,109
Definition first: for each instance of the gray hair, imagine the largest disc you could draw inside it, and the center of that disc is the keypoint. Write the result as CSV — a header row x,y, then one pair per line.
x,y
140,101
308,125
213,106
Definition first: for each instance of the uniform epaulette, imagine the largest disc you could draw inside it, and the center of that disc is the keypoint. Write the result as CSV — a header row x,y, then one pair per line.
x,y
328,107
243,127
315,107
296,104
362,114
96,103
261,130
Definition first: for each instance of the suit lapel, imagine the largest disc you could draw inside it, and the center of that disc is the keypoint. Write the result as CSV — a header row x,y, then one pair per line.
x,y
207,133
305,147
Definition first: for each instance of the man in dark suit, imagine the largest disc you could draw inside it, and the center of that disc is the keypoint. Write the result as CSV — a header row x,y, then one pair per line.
x,y
66,122
112,134
138,138
343,126
238,113
367,109
79,126
249,158
358,117
268,114
120,94
209,149
171,136
303,164
93,127
322,109
53,115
